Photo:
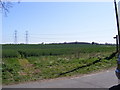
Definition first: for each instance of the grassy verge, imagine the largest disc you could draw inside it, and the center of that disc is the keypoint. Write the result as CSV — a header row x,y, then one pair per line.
x,y
16,70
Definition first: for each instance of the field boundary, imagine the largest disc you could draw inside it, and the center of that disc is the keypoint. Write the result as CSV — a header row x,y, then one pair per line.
x,y
99,60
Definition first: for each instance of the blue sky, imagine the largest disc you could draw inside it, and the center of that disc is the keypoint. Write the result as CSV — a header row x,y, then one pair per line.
x,y
51,22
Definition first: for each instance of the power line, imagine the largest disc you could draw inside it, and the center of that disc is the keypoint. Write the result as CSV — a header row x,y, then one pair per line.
x,y
15,38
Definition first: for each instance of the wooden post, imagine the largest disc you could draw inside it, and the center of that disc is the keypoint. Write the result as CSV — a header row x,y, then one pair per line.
x,y
118,38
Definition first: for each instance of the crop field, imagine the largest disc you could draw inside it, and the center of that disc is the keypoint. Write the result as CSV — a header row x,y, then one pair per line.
x,y
21,63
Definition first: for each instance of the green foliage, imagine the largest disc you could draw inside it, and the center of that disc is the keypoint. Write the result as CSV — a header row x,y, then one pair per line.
x,y
9,53
21,63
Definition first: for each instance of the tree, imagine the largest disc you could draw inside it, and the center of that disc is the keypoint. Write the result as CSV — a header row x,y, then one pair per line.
x,y
4,6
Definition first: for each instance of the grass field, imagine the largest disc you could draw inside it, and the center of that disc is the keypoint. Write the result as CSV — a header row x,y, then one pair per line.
x,y
21,63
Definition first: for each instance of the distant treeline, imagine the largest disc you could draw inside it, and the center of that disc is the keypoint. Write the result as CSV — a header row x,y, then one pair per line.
x,y
93,43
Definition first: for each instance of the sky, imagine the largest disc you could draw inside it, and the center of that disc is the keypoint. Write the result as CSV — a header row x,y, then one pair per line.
x,y
56,22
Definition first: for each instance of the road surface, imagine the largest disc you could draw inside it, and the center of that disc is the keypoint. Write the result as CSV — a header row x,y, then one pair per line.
x,y
104,79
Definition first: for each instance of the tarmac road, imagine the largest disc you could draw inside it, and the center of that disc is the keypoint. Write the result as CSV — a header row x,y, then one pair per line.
x,y
104,79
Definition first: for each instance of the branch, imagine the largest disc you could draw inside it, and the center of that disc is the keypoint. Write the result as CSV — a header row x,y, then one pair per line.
x,y
5,5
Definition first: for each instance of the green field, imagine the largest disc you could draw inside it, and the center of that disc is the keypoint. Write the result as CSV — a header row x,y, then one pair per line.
x,y
21,63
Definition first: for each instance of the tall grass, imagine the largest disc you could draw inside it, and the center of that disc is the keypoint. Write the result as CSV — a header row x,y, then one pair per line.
x,y
50,50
